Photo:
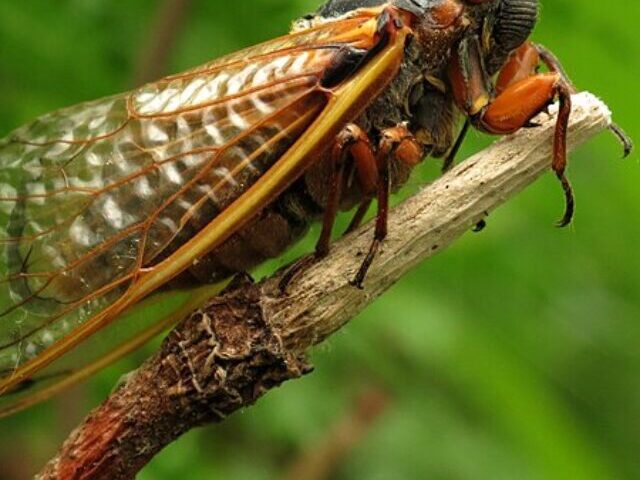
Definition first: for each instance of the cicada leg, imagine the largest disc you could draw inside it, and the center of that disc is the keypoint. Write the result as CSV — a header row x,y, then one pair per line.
x,y
554,65
372,171
398,144
358,217
349,140
520,94
354,142
451,156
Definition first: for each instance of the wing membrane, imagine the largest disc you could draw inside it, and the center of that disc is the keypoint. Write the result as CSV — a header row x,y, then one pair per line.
x,y
128,332
96,196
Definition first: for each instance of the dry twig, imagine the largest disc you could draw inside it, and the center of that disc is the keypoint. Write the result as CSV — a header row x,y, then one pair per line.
x,y
252,338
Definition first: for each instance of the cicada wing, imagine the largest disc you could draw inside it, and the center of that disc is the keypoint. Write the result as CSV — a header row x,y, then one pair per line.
x,y
129,331
104,210
83,213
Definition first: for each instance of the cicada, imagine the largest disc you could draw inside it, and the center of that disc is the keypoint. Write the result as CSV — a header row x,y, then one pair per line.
x,y
109,206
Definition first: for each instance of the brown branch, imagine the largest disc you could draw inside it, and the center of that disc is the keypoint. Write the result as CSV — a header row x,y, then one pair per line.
x,y
252,338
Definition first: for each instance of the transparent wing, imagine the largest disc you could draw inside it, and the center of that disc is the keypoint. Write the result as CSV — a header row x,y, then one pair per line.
x,y
126,333
93,195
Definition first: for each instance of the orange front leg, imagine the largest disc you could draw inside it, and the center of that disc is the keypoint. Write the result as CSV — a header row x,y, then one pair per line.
x,y
518,104
554,65
523,63
522,94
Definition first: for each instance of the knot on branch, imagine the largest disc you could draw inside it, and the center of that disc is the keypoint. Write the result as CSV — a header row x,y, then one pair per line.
x,y
225,356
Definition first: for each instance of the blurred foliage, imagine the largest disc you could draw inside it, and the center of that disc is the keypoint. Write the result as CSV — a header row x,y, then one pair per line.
x,y
513,355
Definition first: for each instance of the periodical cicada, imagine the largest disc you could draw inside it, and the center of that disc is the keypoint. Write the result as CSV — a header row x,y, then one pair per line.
x,y
108,205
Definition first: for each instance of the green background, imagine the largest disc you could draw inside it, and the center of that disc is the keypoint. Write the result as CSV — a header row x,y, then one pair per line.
x,y
513,355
